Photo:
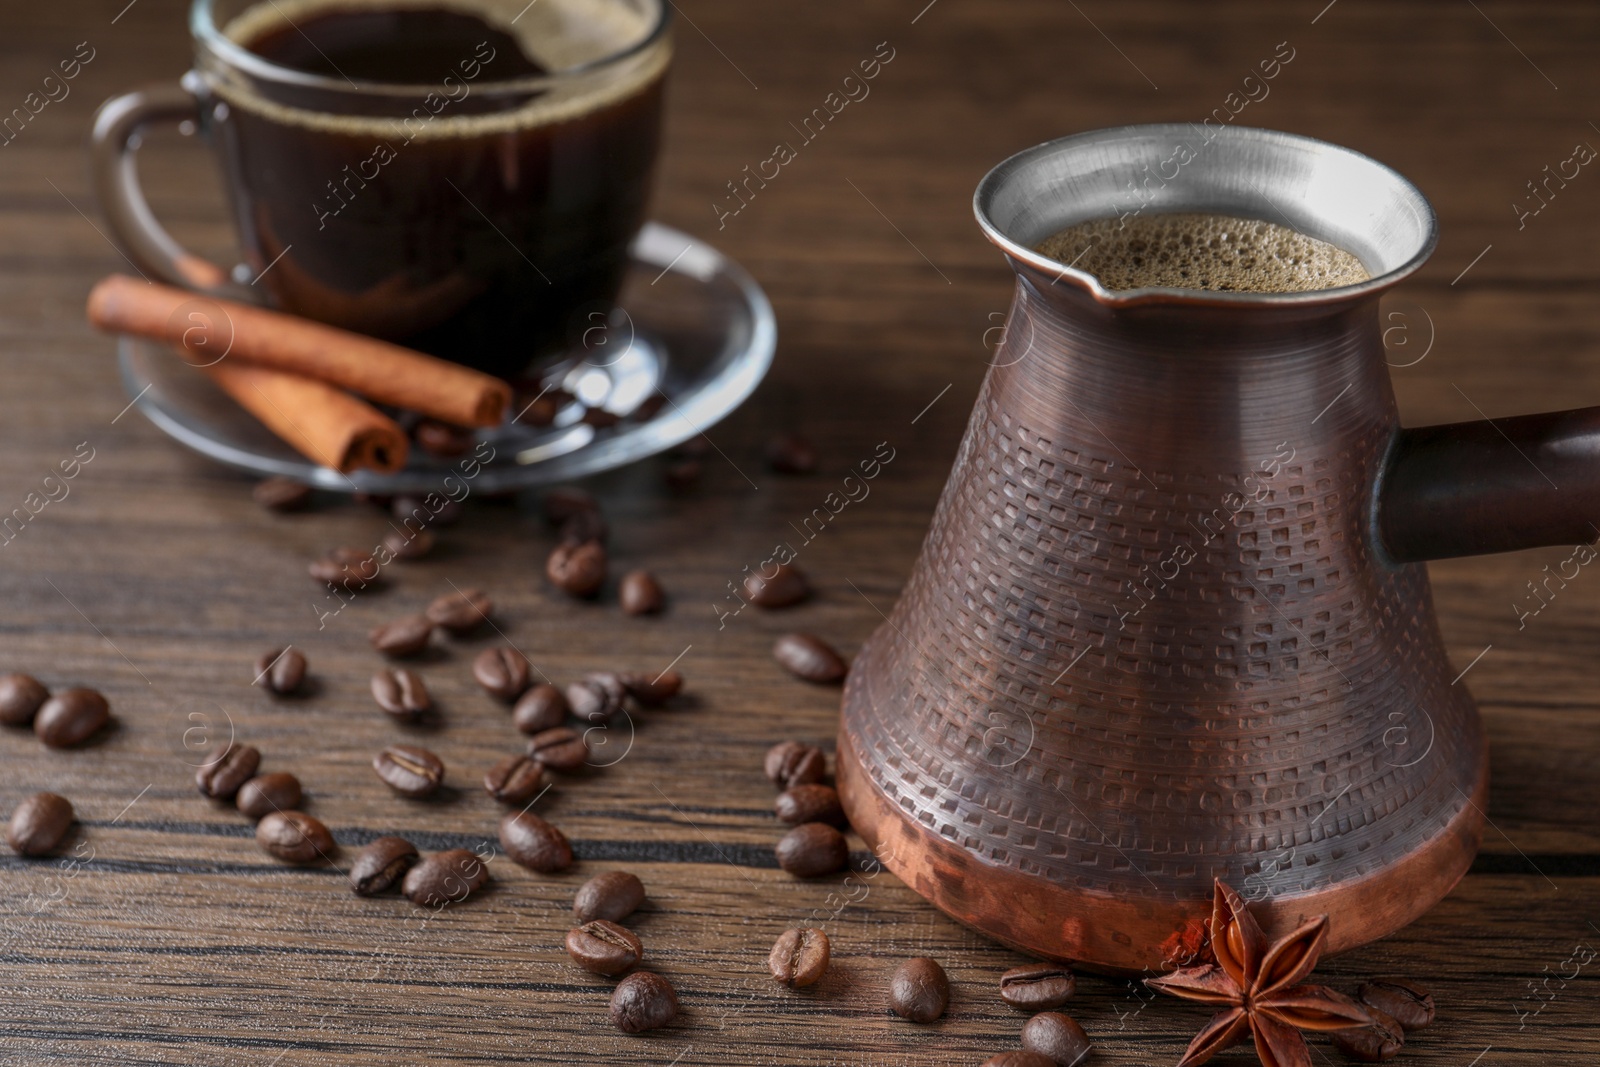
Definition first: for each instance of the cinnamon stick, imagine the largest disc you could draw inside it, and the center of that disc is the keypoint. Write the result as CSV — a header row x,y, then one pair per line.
x,y
320,422
206,328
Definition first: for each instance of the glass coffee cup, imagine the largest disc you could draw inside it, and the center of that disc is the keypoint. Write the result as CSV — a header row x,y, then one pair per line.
x,y
461,178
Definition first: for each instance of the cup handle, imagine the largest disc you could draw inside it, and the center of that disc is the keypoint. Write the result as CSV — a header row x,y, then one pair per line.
x,y
113,147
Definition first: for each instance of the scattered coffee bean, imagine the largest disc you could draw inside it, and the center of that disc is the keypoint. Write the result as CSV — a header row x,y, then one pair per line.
x,y
614,896
1037,986
20,698
431,510
561,749
598,698
652,691
461,612
39,824
540,708
1022,1058
1407,1003
603,947
643,1001
71,717
812,849
347,568
1381,1041
919,990
502,671
538,411
230,766
600,418
790,453
790,763
809,658
445,877
281,494
585,526
266,793
281,670
405,636
648,408
809,803
514,780
785,587
294,837
442,439
799,957
564,502
579,570
640,594
681,475
534,843
381,865
401,693
1054,1035
409,770
408,545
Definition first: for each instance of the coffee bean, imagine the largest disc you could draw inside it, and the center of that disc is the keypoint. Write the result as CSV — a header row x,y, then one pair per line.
x,y
563,502
643,1001
39,824
1054,1035
352,569
408,544
1381,1041
598,698
603,947
1407,1003
20,698
919,990
640,594
442,439
401,693
600,418
381,865
502,671
540,708
561,749
432,510
534,843
790,453
1021,1058
799,957
809,803
585,526
613,895
409,770
652,691
294,837
445,877
71,717
682,474
267,793
537,411
790,763
809,658
1037,986
281,494
229,766
281,670
785,587
405,636
461,612
514,780
812,849
579,570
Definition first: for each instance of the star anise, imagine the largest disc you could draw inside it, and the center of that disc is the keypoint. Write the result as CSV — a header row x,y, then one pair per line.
x,y
1260,986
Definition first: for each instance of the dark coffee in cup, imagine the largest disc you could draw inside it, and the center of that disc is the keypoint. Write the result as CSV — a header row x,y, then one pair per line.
x,y
460,176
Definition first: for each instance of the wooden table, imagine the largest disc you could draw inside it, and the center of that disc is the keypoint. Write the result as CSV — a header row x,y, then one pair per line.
x,y
173,939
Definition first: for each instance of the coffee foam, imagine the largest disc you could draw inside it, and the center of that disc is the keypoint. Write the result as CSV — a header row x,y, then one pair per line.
x,y
1202,251
558,34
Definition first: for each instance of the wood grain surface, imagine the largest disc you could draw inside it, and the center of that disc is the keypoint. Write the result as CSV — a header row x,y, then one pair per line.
x,y
165,936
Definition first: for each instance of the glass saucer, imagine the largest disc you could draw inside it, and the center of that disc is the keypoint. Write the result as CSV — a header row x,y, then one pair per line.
x,y
691,325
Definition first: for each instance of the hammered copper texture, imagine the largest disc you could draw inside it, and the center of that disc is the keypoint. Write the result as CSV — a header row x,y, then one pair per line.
x,y
1062,694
